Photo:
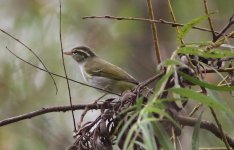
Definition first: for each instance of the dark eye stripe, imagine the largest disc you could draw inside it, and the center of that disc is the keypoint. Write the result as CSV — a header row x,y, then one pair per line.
x,y
81,52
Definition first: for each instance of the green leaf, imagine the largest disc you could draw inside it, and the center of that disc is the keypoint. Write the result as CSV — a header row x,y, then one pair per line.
x,y
187,27
195,136
205,84
125,127
200,98
147,131
163,137
214,53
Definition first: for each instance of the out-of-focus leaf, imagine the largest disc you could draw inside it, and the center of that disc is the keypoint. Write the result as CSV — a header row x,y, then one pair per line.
x,y
187,27
214,53
162,137
148,135
126,125
195,136
205,84
200,98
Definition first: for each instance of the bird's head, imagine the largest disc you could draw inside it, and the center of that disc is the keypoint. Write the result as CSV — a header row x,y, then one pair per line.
x,y
80,53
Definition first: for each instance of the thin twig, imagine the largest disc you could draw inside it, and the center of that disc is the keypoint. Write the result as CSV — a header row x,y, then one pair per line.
x,y
195,109
209,20
221,41
224,138
154,31
161,21
226,27
17,40
81,83
86,110
64,67
219,70
174,19
150,80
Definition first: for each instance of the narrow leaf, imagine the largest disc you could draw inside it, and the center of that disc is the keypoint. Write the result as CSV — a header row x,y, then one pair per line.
x,y
195,136
200,98
163,137
205,84
214,53
187,27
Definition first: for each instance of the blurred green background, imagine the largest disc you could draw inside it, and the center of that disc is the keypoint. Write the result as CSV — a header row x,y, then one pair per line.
x,y
124,43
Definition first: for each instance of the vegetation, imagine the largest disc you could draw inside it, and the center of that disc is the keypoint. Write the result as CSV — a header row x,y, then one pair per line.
x,y
186,73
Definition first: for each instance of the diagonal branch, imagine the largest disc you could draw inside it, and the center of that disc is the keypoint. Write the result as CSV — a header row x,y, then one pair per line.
x,y
226,27
8,34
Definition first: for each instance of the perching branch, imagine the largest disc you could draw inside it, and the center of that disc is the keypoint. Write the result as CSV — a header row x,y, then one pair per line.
x,y
185,121
42,111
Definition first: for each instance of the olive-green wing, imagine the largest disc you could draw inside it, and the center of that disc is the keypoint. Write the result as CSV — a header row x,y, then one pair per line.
x,y
102,68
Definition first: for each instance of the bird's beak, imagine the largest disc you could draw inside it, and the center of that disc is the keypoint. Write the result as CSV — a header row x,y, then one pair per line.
x,y
67,53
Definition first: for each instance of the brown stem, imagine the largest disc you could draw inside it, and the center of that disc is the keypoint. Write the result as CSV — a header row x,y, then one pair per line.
x,y
154,30
64,67
209,20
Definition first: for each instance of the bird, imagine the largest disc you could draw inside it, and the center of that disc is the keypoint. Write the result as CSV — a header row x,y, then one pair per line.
x,y
101,73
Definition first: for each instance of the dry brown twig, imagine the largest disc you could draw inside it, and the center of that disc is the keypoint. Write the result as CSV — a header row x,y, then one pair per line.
x,y
161,21
154,31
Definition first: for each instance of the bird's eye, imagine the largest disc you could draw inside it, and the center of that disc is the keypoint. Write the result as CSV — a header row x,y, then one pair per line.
x,y
75,53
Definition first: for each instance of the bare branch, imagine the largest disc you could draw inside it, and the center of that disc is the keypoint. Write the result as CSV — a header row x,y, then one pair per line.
x,y
226,27
149,20
174,19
